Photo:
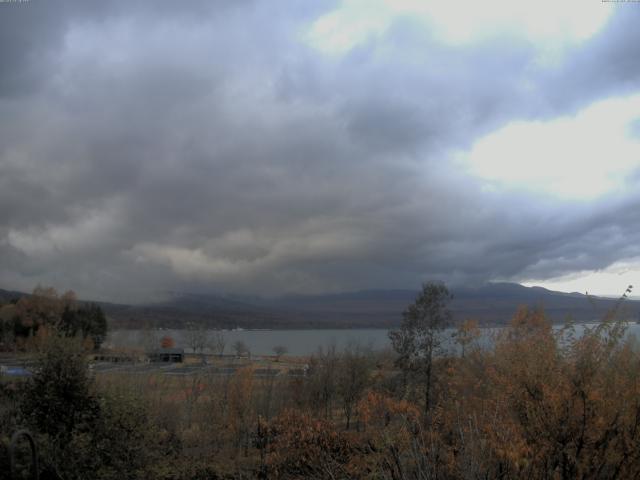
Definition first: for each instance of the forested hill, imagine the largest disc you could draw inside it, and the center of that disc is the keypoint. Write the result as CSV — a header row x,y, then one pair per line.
x,y
491,304
7,296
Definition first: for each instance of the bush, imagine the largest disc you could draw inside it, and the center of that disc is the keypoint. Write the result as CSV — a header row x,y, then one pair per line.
x,y
81,434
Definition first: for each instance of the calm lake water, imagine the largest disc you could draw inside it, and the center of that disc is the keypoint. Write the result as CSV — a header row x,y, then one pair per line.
x,y
297,342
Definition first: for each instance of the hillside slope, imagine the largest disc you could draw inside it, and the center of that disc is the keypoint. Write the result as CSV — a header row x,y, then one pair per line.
x,y
491,304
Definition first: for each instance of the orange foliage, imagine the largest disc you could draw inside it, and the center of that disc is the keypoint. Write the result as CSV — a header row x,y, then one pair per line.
x,y
467,334
300,446
240,412
532,409
533,406
379,409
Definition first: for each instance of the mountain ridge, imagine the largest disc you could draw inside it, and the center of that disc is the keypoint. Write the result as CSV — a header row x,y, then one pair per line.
x,y
491,304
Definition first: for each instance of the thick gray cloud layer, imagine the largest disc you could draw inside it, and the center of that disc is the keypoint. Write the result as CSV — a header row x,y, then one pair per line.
x,y
202,145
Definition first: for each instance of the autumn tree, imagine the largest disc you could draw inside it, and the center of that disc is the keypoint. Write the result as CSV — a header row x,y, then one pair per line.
x,y
59,404
466,335
240,413
125,442
88,321
80,432
8,318
167,342
58,396
46,309
419,338
301,446
42,307
192,389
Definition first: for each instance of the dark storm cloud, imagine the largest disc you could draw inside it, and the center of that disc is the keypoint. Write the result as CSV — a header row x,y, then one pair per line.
x,y
27,35
606,65
165,145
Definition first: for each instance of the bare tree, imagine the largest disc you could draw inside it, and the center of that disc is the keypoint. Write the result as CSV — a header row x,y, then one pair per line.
x,y
196,337
279,351
192,387
322,374
266,396
353,377
216,342
241,349
150,338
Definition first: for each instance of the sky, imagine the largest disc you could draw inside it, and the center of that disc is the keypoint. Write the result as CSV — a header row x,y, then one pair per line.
x,y
268,148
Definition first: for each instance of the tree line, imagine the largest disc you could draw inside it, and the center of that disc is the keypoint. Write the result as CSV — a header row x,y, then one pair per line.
x,y
25,321
536,403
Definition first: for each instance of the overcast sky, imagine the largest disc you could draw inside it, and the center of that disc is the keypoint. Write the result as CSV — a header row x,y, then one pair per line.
x,y
273,147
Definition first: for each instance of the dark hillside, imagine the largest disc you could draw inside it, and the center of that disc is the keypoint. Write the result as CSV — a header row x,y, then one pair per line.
x,y
491,304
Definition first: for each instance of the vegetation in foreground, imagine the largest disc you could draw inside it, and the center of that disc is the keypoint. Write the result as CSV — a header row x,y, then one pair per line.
x,y
536,404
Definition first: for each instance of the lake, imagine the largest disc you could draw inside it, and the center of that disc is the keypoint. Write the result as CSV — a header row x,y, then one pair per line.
x,y
297,342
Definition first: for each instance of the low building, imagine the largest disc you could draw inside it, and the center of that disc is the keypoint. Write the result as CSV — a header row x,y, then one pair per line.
x,y
114,357
167,355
